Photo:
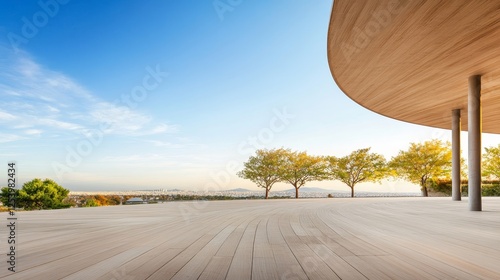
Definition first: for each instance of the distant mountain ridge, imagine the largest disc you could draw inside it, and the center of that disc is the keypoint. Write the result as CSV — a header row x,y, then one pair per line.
x,y
311,189
303,189
241,190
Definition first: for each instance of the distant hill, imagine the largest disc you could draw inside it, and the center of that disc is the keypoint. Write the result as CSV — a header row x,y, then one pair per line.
x,y
240,190
311,189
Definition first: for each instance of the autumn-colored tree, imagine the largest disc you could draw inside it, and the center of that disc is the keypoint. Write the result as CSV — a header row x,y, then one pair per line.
x,y
357,167
299,168
101,199
264,168
114,200
491,162
423,161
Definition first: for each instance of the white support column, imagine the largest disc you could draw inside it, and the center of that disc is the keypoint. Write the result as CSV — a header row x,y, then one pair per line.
x,y
456,127
474,124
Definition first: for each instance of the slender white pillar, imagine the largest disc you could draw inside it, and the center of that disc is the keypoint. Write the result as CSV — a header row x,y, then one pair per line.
x,y
456,127
475,127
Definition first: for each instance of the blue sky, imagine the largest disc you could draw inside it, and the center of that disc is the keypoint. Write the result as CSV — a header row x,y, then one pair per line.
x,y
127,95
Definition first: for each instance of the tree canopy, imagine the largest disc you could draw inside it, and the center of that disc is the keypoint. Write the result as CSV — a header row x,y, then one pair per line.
x,y
423,161
491,162
357,167
418,164
264,168
38,194
300,168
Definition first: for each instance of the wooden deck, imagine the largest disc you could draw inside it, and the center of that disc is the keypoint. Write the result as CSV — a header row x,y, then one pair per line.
x,y
361,238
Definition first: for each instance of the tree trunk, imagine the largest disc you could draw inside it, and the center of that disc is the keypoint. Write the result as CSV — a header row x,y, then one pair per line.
x,y
296,192
267,193
352,191
424,191
423,183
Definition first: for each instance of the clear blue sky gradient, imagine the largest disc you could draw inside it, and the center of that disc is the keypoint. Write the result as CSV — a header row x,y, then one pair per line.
x,y
128,95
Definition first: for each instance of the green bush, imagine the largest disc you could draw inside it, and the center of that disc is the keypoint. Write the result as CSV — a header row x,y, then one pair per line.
x,y
488,187
38,194
491,190
441,186
91,202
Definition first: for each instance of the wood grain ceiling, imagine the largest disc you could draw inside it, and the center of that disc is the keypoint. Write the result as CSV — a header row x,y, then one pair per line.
x,y
410,59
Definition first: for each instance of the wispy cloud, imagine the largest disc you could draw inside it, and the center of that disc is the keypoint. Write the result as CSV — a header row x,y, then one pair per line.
x,y
4,138
59,124
35,132
164,128
133,158
153,160
4,116
158,143
44,100
52,109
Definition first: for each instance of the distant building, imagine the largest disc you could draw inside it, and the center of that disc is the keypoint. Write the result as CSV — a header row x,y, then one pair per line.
x,y
136,200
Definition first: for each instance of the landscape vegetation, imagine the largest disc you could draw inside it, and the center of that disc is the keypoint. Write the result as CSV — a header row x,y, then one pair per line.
x,y
427,164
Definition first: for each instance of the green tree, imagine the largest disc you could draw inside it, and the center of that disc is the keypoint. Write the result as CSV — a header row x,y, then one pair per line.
x,y
69,202
357,167
4,197
91,202
423,161
264,168
38,194
299,168
491,162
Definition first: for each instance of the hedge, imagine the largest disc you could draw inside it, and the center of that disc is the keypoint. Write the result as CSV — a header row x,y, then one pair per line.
x,y
488,188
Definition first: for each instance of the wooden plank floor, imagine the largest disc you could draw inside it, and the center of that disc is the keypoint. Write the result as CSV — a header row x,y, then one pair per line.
x,y
339,238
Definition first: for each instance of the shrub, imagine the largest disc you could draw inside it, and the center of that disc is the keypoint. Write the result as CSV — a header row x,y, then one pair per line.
x,y
91,202
488,187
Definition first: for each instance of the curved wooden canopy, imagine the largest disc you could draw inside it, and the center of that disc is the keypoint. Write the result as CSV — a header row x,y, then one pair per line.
x,y
410,59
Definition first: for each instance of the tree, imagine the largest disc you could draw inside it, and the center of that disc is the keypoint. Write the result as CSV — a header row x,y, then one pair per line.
x,y
6,193
491,162
69,201
423,161
91,202
38,194
300,168
101,200
264,169
116,199
357,167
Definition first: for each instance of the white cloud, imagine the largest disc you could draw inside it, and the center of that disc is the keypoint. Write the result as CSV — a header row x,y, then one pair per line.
x,y
163,128
133,158
53,109
38,98
150,160
158,143
4,138
59,124
27,67
22,126
4,116
33,132
121,119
